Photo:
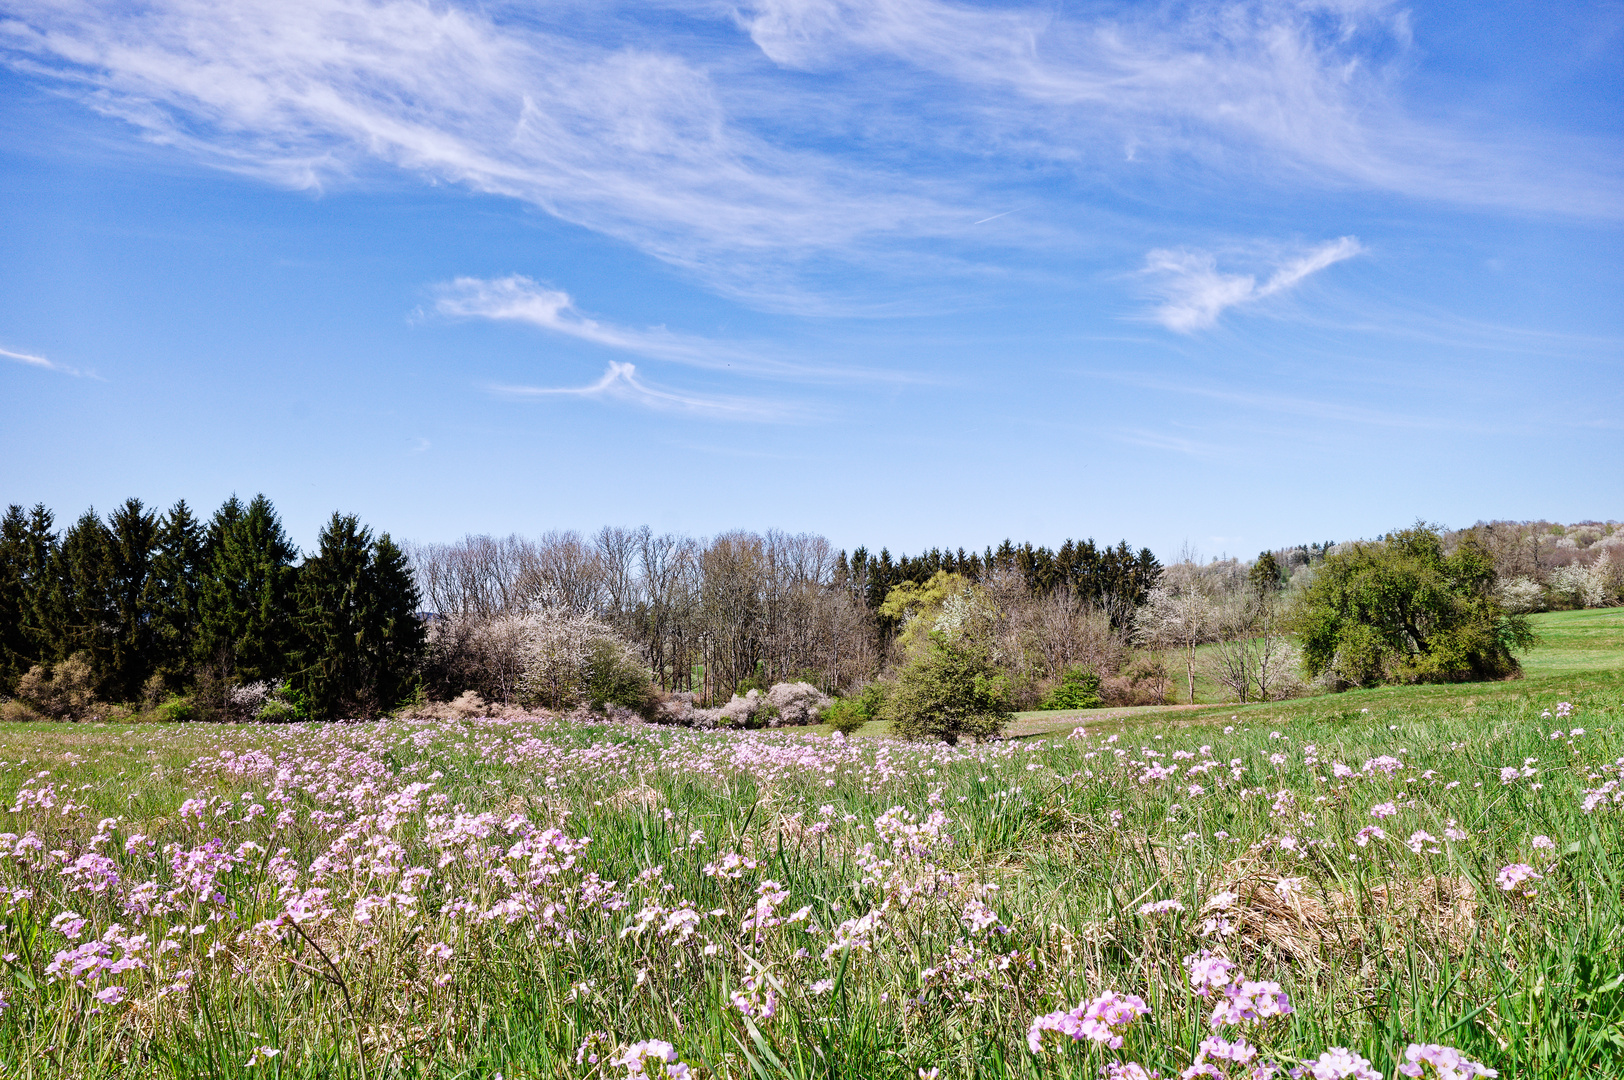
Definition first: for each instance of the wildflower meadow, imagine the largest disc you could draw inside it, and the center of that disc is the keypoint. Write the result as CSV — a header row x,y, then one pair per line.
x,y
1429,892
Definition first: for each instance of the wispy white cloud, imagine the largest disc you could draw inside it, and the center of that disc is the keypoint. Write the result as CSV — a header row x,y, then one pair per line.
x,y
41,362
621,383
1289,90
1160,440
698,149
1195,292
516,298
633,142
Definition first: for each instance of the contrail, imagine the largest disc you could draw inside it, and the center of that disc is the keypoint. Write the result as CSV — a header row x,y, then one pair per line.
x,y
995,217
37,361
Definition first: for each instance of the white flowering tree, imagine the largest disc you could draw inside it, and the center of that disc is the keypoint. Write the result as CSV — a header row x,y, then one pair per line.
x,y
1176,620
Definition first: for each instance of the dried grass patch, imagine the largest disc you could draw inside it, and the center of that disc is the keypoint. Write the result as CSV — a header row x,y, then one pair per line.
x,y
1336,926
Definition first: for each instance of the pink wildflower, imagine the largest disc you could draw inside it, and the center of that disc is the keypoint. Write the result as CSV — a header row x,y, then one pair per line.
x,y
1098,1021
1245,1001
1447,1063
1514,875
1161,907
1340,1063
1208,972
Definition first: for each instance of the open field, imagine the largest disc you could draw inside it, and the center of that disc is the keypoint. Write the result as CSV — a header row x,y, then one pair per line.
x,y
1577,651
533,898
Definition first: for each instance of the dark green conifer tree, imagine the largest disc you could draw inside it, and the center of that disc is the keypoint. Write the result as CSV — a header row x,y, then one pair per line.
x,y
132,534
357,605
26,545
245,605
172,595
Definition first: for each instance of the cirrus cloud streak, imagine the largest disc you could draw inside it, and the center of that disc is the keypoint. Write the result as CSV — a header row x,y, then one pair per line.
x,y
1195,292
621,383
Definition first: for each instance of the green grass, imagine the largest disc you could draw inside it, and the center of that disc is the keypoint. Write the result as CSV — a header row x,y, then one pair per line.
x,y
1577,652
1377,945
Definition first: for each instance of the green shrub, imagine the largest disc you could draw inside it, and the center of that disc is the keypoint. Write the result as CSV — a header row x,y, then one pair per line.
x,y
1079,689
616,676
178,710
951,690
845,715
1401,610
848,714
756,680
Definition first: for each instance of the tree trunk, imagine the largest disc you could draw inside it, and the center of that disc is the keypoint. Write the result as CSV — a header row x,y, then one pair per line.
x,y
1189,663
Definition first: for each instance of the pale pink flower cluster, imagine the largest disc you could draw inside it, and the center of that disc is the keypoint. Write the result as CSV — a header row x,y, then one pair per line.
x,y
639,1056
1102,1020
1216,1058
1245,1001
1208,972
1240,1000
1510,877
1161,907
1340,1063
1445,1061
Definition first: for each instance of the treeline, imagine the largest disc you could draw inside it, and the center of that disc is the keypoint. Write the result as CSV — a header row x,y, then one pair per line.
x,y
712,616
1116,580
1547,565
147,608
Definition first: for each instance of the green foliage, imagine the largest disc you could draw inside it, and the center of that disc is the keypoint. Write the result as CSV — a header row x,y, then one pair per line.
x,y
951,690
131,536
178,710
1401,610
845,715
357,607
616,676
287,705
1079,689
27,543
171,594
756,680
1266,576
245,606
915,608
848,714
78,603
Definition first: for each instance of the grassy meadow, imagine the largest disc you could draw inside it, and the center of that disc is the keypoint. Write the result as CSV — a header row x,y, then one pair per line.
x,y
1424,866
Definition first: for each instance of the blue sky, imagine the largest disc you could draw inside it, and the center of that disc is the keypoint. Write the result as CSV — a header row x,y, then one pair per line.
x,y
902,272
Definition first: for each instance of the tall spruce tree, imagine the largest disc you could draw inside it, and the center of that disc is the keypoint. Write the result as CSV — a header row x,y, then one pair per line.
x,y
173,587
245,603
357,616
132,534
24,553
79,615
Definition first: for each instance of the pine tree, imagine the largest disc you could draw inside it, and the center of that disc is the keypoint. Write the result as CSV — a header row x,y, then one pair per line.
x,y
78,609
18,651
357,606
395,636
132,534
39,545
245,605
172,595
